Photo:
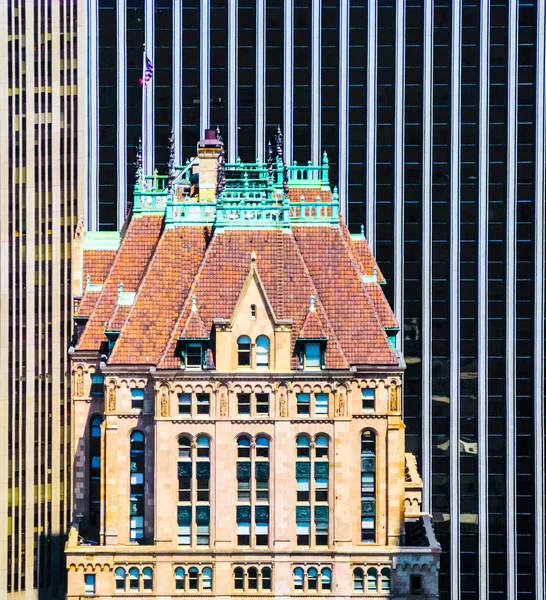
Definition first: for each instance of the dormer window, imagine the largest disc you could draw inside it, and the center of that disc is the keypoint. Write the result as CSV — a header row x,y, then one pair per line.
x,y
312,355
243,351
194,356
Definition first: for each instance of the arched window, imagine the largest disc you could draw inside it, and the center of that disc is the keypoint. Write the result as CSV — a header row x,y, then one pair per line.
x,y
179,578
358,580
239,578
303,446
252,581
137,487
298,578
385,579
203,447
148,578
312,578
120,579
207,578
321,446
372,580
193,576
94,471
266,578
243,351
262,351
326,579
243,447
367,494
134,577
262,447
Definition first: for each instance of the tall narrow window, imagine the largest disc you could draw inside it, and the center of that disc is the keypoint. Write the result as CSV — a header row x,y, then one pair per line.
x,y
372,580
134,579
358,580
262,351
312,358
179,578
207,578
184,404
136,490
298,578
243,404
203,404
262,404
326,579
243,351
253,500
89,584
147,578
252,578
312,579
266,578
202,473
415,585
304,402
94,471
312,502
193,576
385,580
239,578
321,404
120,579
137,399
367,461
184,490
194,356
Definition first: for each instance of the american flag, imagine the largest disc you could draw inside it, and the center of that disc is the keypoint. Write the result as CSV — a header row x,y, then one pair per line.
x,y
148,72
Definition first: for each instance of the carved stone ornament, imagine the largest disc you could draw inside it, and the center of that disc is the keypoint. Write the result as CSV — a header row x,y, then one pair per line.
x,y
340,412
164,404
79,382
282,405
393,398
223,405
112,397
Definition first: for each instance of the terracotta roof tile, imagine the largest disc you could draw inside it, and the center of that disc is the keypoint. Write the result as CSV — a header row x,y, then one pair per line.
x,y
382,306
312,327
87,304
194,328
97,264
161,297
137,245
364,256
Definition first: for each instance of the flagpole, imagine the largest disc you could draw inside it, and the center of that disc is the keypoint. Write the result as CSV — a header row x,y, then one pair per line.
x,y
143,122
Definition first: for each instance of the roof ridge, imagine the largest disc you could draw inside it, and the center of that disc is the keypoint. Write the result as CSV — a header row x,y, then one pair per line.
x,y
140,285
317,297
176,327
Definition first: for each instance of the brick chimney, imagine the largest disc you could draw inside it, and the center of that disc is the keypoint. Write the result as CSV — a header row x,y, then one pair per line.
x,y
208,151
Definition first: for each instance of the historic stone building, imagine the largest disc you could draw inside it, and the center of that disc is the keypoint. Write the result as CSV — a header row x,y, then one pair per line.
x,y
237,424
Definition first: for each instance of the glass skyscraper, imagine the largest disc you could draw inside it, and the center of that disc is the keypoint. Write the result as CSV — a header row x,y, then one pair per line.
x,y
433,117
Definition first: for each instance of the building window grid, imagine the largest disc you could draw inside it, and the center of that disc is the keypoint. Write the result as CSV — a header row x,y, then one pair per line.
x,y
372,579
313,404
368,486
193,579
136,488
313,491
194,491
253,501
312,579
196,404
252,579
253,404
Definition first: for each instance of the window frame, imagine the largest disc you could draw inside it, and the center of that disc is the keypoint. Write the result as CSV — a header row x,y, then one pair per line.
x,y
243,352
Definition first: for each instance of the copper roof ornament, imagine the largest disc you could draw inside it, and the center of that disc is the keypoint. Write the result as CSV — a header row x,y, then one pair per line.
x,y
138,162
280,143
171,177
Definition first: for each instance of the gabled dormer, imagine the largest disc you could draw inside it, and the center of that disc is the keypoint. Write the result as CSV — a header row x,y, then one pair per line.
x,y
253,338
311,340
194,341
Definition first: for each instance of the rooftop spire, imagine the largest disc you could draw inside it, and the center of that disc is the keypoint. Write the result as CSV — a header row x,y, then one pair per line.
x,y
269,158
138,162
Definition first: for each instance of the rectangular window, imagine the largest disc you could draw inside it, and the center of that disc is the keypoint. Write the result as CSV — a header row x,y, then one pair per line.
x,y
321,534
184,404
97,385
243,404
302,490
321,404
262,534
137,399
184,534
137,528
203,534
302,532
303,403
89,584
243,533
312,355
262,404
262,490
194,356
415,585
203,490
203,404
243,490
321,490
368,399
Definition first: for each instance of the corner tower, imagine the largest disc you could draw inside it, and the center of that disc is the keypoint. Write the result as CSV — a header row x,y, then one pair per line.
x,y
237,409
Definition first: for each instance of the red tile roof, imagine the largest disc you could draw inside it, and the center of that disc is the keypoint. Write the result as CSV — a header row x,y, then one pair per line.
x,y
136,248
167,268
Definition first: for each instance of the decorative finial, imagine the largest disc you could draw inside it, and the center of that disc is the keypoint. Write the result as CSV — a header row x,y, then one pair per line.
x,y
285,180
374,271
324,158
138,162
88,281
280,144
362,230
219,135
194,304
170,179
312,303
269,158
253,256
120,290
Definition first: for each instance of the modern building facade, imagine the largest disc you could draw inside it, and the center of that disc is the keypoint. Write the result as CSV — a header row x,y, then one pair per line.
x,y
237,423
41,154
432,114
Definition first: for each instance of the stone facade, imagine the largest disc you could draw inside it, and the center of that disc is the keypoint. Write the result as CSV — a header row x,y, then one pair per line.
x,y
248,467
